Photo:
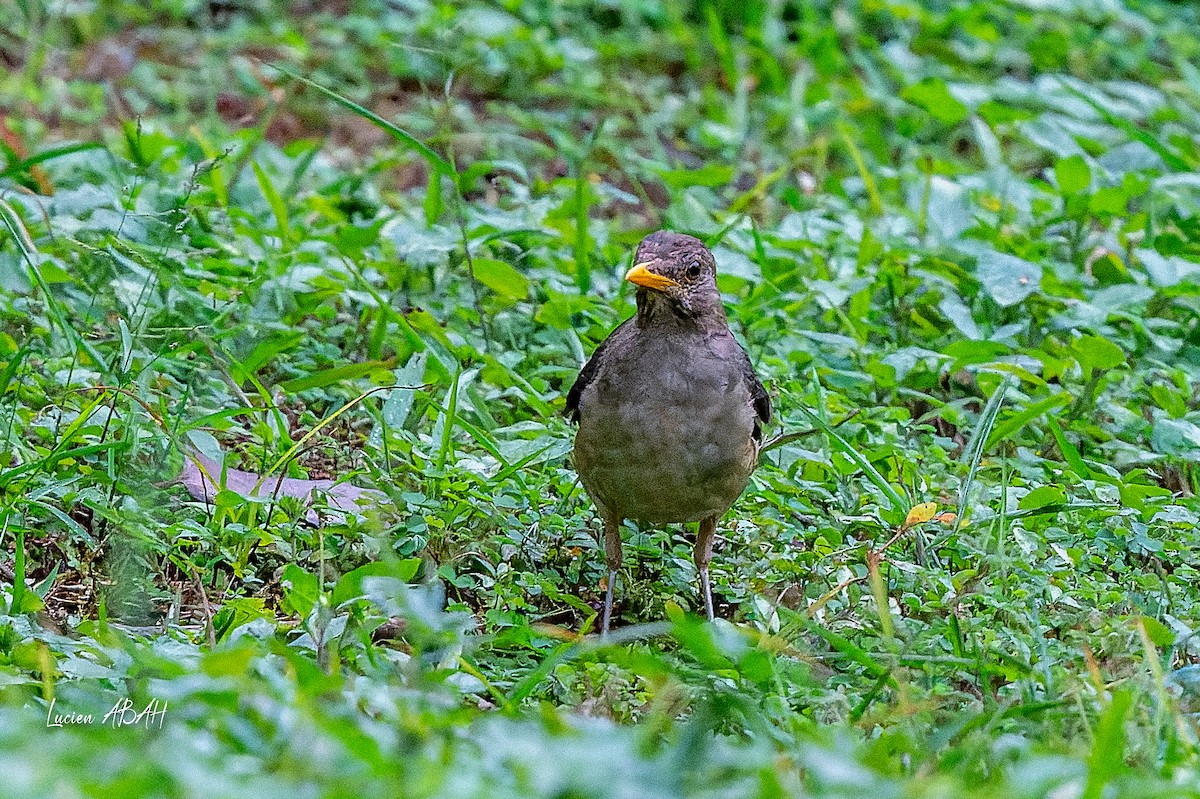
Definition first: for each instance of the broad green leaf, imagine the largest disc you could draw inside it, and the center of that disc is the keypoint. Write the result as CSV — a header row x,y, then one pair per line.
x,y
399,401
230,662
1006,278
932,95
301,592
1143,497
1175,437
1042,496
501,278
1158,633
1169,155
996,113
1094,352
1072,174
560,310
1167,399
1110,200
350,586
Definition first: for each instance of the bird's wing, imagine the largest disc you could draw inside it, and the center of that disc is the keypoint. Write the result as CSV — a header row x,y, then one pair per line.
x,y
759,396
590,370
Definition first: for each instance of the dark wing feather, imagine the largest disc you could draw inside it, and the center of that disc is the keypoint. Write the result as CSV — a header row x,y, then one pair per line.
x,y
758,395
761,400
589,372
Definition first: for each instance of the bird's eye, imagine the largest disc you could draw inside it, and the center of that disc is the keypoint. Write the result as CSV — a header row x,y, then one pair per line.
x,y
694,270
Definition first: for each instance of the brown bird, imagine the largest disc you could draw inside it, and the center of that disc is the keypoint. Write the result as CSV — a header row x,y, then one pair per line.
x,y
670,412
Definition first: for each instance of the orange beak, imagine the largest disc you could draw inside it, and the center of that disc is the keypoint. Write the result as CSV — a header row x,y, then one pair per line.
x,y
641,276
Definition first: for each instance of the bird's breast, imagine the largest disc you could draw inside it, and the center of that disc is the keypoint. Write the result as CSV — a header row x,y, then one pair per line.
x,y
665,432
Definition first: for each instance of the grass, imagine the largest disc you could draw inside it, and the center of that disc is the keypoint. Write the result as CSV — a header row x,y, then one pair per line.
x,y
376,241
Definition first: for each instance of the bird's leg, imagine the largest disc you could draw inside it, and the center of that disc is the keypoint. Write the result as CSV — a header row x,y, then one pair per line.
x,y
612,556
704,545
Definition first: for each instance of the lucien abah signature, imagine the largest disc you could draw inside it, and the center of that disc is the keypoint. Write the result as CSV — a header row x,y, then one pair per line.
x,y
122,714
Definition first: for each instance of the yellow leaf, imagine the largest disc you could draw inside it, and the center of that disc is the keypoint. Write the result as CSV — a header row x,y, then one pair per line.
x,y
920,513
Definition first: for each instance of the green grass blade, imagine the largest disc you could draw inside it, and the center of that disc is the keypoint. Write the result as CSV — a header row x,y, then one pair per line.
x,y
329,377
447,421
18,591
49,155
1069,452
977,445
852,650
278,206
1108,745
1021,418
860,164
435,161
896,502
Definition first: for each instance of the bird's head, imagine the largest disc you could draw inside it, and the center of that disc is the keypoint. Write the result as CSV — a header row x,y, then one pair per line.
x,y
676,274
